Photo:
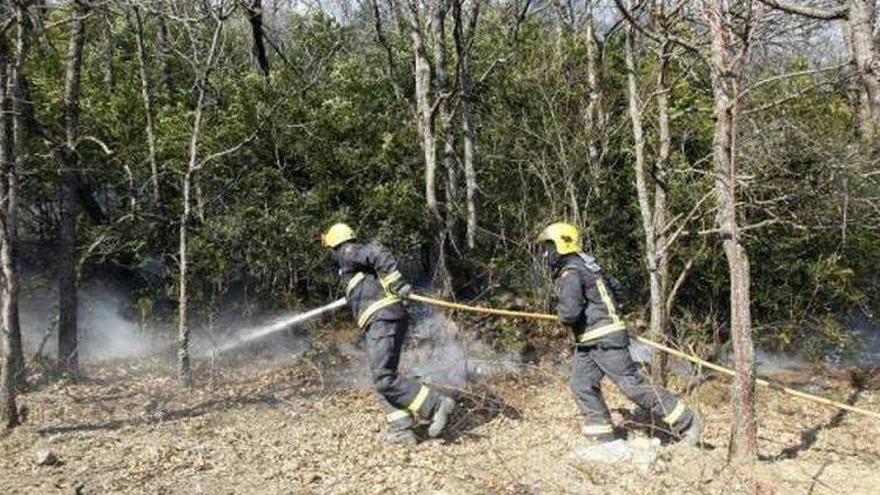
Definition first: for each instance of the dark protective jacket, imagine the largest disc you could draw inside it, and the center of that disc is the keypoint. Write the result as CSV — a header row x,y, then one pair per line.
x,y
586,303
366,271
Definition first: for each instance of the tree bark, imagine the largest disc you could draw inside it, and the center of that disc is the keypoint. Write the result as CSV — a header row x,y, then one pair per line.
x,y
861,19
462,47
10,371
67,279
147,97
726,71
660,316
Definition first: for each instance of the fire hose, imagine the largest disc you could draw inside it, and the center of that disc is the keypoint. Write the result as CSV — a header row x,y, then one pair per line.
x,y
693,359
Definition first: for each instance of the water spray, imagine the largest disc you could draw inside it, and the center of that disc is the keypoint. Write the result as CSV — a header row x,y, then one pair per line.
x,y
279,325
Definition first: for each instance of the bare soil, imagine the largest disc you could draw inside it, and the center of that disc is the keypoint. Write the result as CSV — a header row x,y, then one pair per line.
x,y
126,429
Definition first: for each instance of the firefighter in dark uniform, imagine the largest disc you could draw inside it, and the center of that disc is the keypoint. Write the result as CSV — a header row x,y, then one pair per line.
x,y
585,303
374,289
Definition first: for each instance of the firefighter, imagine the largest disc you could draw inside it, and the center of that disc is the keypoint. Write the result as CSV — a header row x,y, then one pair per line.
x,y
374,289
586,304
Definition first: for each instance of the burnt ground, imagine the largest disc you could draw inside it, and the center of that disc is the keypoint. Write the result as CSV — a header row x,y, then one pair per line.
x,y
289,429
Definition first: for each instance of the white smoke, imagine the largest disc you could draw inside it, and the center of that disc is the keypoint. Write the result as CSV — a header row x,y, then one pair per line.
x,y
105,331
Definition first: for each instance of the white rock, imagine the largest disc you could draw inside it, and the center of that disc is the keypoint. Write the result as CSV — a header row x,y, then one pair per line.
x,y
45,458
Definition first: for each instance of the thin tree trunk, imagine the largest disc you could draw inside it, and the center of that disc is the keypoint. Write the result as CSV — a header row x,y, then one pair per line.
x,y
467,127
593,115
725,73
425,119
108,46
444,112
389,53
67,283
660,278
258,48
184,370
16,157
861,19
9,371
147,97
163,48
648,213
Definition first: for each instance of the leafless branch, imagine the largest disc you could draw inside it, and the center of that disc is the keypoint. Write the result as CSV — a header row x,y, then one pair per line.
x,y
228,151
93,139
809,11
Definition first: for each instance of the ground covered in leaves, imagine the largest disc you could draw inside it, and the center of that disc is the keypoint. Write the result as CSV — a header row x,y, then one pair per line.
x,y
289,429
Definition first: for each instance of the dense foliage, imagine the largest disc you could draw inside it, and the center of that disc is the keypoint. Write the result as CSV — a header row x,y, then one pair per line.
x,y
327,137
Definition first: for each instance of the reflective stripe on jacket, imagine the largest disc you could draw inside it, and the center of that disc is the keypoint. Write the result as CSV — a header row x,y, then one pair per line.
x,y
586,303
365,270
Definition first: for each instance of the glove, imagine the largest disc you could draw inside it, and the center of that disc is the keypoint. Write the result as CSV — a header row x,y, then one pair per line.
x,y
401,289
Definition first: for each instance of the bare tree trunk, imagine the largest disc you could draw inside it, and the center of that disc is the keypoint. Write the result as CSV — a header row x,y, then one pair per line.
x,y
564,26
462,47
9,370
593,116
660,277
441,80
861,19
147,97
258,49
726,71
15,142
184,370
163,48
67,283
425,112
648,212
383,40
108,46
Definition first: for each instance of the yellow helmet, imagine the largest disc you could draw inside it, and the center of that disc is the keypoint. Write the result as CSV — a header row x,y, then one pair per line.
x,y
564,236
336,235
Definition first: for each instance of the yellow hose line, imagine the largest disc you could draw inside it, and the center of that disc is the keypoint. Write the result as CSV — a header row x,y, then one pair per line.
x,y
721,369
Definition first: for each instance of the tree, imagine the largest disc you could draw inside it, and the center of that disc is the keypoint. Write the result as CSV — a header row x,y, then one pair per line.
x,y
730,27
463,41
147,97
258,49
651,187
195,163
68,353
10,331
425,111
14,149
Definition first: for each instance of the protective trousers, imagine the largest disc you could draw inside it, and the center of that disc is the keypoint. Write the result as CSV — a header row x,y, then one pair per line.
x,y
400,397
592,363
